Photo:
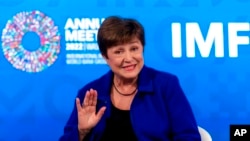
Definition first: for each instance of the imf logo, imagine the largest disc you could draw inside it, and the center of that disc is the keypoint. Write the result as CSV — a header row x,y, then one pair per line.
x,y
215,37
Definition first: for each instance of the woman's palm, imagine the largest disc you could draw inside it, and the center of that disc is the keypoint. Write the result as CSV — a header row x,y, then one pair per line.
x,y
87,117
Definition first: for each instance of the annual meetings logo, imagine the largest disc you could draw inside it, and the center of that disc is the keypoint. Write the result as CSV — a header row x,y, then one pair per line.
x,y
21,51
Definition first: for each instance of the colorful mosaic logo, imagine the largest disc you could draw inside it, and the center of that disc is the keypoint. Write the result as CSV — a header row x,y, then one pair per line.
x,y
14,50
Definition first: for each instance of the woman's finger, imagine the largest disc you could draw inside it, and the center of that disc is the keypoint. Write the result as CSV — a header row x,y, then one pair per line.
x,y
78,104
91,91
86,99
95,98
100,113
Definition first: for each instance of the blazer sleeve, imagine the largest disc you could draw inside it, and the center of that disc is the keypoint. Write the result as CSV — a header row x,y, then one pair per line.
x,y
71,128
183,123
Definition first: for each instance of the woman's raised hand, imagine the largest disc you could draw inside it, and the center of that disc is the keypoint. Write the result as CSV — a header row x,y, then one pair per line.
x,y
87,116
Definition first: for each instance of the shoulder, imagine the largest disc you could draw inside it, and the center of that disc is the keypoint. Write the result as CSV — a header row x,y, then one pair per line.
x,y
160,81
165,83
160,76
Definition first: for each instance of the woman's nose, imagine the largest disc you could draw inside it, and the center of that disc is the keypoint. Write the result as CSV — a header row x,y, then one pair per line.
x,y
127,56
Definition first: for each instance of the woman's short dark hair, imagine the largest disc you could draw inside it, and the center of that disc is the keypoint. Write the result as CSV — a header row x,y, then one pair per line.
x,y
116,30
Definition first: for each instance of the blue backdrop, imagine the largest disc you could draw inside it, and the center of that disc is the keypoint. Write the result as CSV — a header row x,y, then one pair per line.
x,y
204,42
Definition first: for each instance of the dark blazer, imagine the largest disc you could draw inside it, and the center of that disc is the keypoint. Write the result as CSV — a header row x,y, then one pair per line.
x,y
159,111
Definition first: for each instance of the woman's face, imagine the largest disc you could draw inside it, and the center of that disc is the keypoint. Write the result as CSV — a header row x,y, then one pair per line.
x,y
126,60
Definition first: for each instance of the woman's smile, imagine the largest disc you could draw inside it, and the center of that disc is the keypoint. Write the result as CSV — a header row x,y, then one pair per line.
x,y
129,67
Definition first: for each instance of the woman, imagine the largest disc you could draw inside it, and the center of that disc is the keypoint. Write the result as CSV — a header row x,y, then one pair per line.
x,y
132,102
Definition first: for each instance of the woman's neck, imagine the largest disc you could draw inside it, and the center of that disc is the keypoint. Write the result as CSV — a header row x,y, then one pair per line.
x,y
125,82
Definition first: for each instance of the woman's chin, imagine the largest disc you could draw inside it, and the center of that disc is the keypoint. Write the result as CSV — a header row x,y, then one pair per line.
x,y
130,74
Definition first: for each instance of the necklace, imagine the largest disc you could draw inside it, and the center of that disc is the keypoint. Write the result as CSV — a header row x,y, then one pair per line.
x,y
124,93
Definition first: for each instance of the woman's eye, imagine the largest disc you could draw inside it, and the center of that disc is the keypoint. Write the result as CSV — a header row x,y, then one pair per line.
x,y
118,52
135,48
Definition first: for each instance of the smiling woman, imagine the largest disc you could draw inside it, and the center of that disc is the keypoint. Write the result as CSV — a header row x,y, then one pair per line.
x,y
131,102
125,60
